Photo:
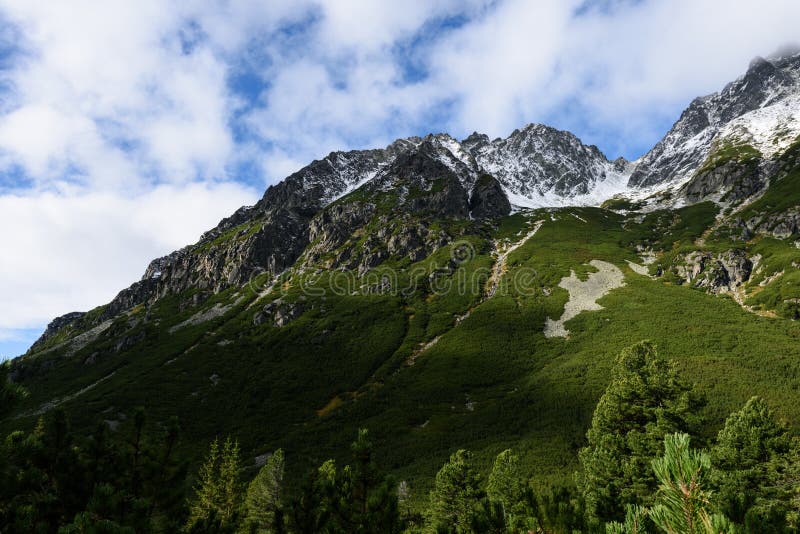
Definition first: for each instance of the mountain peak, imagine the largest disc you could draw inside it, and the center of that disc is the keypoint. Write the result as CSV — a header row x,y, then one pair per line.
x,y
757,63
787,51
684,148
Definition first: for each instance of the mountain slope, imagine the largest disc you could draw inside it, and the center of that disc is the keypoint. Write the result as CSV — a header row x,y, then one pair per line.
x,y
316,366
542,164
407,290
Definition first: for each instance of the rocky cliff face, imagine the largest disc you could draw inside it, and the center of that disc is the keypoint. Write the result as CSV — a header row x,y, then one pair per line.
x,y
488,199
732,181
58,325
390,216
267,237
716,273
541,166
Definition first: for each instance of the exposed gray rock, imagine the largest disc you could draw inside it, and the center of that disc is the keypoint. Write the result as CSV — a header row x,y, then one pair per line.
x,y
416,187
780,225
202,316
197,299
370,260
382,286
69,320
259,318
739,230
715,273
426,186
127,341
331,228
112,424
737,266
621,164
487,199
279,312
732,181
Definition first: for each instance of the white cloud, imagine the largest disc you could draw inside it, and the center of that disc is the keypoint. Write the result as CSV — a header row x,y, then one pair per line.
x,y
501,67
345,88
364,26
75,251
612,72
99,75
40,136
47,141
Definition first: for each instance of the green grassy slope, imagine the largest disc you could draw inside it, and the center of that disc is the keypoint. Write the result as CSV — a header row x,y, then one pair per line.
x,y
490,382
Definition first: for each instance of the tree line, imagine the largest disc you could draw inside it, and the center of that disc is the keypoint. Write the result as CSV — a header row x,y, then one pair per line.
x,y
643,469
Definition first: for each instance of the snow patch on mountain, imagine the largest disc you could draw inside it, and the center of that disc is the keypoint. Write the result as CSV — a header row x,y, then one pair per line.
x,y
613,184
770,129
350,170
454,157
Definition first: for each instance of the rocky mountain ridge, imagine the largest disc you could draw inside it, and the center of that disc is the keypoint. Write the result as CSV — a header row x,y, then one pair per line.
x,y
769,88
356,209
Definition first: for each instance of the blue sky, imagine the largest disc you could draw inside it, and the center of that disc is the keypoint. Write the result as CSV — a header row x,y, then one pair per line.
x,y
129,128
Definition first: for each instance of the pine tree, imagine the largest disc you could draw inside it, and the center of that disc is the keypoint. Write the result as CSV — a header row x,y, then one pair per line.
x,y
309,512
263,501
684,500
785,474
55,480
362,477
359,498
507,488
748,448
371,497
10,393
556,509
644,401
456,495
45,484
217,495
637,521
490,518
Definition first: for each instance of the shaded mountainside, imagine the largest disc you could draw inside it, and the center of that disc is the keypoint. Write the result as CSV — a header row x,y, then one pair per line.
x,y
408,290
